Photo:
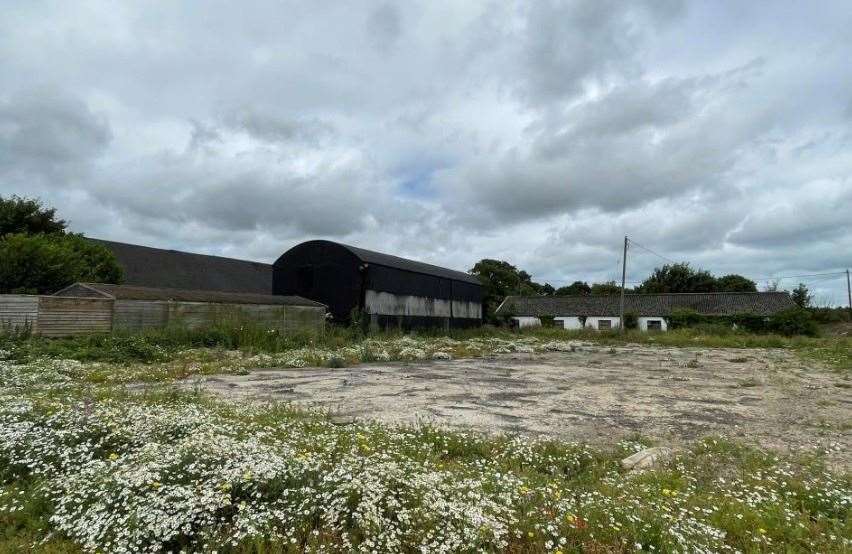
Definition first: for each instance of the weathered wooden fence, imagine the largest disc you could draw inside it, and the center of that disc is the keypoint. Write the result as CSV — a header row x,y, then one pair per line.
x,y
60,316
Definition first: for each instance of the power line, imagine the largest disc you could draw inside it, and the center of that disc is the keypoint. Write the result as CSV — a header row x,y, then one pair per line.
x,y
634,243
772,278
758,279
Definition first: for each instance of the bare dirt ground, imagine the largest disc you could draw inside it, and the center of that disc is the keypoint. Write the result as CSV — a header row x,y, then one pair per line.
x,y
596,395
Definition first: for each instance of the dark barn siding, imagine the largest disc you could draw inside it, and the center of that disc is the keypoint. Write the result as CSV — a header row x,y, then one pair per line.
x,y
339,276
321,271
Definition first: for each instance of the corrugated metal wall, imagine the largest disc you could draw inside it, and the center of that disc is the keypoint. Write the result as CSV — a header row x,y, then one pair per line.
x,y
59,316
18,312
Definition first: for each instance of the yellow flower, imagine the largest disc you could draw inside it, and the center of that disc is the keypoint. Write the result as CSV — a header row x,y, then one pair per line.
x,y
762,531
570,518
247,476
530,534
557,552
113,456
155,484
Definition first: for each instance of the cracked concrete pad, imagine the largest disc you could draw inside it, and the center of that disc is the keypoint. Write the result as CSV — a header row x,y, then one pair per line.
x,y
595,395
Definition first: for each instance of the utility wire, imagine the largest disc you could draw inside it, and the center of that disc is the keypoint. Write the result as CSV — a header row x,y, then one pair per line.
x,y
634,243
797,276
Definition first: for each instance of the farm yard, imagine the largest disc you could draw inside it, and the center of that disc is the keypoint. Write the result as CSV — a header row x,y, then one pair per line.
x,y
549,277
485,441
581,391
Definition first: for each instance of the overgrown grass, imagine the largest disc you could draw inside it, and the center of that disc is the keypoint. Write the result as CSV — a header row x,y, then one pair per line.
x,y
375,487
172,343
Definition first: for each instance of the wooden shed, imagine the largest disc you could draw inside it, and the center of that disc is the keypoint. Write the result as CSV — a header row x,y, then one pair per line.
x,y
137,308
49,316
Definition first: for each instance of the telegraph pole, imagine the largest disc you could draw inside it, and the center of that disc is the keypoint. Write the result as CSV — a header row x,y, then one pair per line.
x,y
624,281
849,290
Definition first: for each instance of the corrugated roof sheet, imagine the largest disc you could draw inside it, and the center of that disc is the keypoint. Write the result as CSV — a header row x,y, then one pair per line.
x,y
713,303
131,292
387,260
155,267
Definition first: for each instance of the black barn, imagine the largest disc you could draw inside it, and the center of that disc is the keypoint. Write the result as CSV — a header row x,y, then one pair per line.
x,y
391,291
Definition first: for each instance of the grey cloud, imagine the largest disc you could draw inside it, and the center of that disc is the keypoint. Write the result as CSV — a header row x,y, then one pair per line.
x,y
566,44
44,133
811,214
243,197
639,142
271,127
384,26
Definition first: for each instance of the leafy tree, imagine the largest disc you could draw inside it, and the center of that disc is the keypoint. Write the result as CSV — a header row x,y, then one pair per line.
x,y
606,289
801,296
43,264
574,289
547,289
500,279
678,278
28,216
735,283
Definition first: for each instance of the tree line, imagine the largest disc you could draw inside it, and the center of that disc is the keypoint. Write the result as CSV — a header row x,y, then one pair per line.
x,y
500,279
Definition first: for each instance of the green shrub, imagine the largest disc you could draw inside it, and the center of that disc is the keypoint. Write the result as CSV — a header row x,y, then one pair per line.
x,y
795,321
631,321
830,315
750,322
681,318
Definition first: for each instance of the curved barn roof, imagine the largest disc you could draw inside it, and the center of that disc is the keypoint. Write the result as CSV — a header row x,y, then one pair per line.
x,y
404,264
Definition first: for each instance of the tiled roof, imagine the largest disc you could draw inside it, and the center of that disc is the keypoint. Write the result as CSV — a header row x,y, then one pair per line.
x,y
130,292
706,303
155,267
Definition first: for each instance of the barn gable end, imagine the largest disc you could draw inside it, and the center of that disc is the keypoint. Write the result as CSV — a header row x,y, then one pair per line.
x,y
391,291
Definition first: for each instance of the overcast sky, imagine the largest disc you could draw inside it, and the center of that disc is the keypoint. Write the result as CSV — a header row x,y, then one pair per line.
x,y
540,133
